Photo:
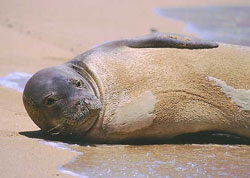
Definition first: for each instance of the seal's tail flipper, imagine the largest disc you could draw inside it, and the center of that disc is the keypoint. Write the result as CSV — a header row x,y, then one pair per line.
x,y
168,40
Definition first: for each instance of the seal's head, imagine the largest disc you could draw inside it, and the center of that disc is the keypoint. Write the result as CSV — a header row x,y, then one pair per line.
x,y
61,100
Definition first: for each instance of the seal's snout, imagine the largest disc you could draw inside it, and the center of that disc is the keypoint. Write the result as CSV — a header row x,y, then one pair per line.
x,y
79,112
84,108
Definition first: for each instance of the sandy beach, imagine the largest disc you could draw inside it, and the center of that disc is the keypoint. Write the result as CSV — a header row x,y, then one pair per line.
x,y
38,34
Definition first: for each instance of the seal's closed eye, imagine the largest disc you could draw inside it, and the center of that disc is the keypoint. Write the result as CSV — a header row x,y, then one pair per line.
x,y
49,100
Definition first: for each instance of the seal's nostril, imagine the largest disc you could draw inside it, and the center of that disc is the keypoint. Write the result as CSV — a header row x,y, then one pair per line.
x,y
78,103
87,101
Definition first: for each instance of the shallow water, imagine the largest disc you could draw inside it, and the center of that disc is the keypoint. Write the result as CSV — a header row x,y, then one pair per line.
x,y
229,24
160,161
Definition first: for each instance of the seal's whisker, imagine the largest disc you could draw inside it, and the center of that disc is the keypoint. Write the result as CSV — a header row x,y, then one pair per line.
x,y
53,128
59,132
72,130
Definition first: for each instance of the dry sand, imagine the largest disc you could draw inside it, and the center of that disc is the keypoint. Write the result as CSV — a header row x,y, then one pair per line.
x,y
37,34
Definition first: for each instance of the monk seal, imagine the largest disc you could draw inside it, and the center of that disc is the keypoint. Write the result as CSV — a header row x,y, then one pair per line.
x,y
153,87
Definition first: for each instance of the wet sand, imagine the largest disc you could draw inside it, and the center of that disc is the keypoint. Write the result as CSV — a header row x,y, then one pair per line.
x,y
35,35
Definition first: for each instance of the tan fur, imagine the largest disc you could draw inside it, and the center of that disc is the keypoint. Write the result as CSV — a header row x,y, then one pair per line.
x,y
186,101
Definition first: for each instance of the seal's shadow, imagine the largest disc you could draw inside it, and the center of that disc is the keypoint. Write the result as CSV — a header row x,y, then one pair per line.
x,y
39,134
193,138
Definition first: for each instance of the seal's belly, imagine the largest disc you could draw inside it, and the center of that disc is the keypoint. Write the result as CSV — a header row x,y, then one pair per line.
x,y
161,116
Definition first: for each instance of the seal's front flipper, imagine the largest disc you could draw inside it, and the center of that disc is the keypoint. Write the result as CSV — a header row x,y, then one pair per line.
x,y
168,40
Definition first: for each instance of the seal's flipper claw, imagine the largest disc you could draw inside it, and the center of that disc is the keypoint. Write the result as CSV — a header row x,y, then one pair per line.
x,y
168,40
